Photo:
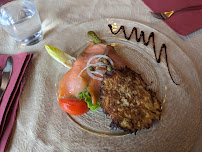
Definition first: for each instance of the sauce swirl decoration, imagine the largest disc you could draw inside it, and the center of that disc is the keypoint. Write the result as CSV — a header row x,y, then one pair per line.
x,y
146,43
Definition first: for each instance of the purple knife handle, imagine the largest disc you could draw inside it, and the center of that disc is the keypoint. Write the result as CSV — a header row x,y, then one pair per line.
x,y
192,8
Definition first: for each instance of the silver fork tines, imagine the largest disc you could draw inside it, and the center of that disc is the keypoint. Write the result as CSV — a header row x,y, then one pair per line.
x,y
166,15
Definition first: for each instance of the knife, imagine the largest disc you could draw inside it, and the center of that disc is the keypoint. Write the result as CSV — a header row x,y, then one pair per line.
x,y
6,75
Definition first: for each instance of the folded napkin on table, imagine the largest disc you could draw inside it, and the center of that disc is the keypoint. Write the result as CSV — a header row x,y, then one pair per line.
x,y
184,22
2,2
10,100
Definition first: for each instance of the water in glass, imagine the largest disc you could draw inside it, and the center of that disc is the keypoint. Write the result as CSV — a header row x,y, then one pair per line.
x,y
20,19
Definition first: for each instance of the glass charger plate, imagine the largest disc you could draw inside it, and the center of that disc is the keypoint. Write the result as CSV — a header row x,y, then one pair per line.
x,y
181,114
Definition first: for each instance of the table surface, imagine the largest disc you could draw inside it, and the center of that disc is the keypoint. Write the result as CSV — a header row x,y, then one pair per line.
x,y
57,15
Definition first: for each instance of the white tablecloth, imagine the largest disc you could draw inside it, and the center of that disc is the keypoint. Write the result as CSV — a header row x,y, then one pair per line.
x,y
59,14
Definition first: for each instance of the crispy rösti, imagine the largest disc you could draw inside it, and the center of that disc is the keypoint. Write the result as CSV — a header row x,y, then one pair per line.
x,y
127,100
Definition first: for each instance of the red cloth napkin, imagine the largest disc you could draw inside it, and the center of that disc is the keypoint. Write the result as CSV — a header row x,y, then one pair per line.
x,y
10,100
2,2
184,22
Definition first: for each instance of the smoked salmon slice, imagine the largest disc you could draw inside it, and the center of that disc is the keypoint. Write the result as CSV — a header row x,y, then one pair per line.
x,y
77,79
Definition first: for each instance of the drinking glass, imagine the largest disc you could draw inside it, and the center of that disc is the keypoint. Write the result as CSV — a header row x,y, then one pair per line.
x,y
20,19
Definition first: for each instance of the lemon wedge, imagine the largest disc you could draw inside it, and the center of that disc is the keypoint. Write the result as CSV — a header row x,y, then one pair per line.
x,y
60,56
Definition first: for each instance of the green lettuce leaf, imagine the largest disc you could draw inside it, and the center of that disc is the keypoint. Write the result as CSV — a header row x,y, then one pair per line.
x,y
86,95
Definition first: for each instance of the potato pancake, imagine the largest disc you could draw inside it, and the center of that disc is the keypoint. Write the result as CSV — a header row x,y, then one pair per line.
x,y
125,97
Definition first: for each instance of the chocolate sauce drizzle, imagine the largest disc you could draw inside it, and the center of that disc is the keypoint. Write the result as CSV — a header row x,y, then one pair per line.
x,y
142,36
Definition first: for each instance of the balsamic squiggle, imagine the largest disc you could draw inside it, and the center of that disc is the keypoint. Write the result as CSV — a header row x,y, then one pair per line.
x,y
142,36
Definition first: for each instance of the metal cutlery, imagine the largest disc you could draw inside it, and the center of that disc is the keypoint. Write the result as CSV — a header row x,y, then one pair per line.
x,y
166,15
6,75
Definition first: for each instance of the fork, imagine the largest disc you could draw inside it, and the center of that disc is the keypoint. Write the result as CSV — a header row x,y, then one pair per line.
x,y
166,15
